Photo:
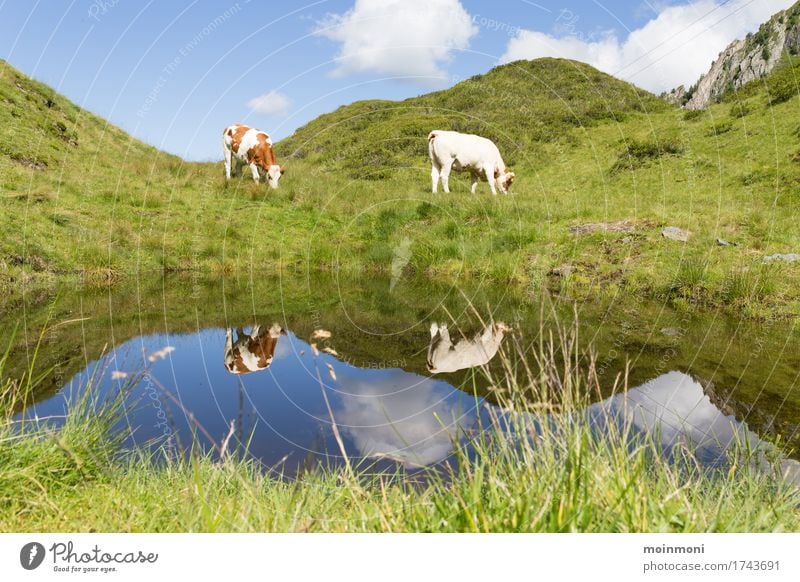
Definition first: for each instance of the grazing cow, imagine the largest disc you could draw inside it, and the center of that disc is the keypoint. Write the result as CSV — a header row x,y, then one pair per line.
x,y
244,145
251,353
466,152
443,356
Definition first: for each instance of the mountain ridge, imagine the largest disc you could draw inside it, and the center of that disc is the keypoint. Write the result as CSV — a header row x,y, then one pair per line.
x,y
744,61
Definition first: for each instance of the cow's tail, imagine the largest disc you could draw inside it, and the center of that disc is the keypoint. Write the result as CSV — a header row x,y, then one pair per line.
x,y
431,136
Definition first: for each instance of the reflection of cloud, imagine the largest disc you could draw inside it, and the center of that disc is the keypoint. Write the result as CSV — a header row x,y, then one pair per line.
x,y
402,416
676,409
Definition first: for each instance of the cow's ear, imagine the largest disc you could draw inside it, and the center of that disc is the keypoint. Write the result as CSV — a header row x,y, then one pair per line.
x,y
283,169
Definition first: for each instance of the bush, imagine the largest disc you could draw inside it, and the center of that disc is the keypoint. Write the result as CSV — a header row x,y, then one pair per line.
x,y
740,109
784,83
638,153
693,114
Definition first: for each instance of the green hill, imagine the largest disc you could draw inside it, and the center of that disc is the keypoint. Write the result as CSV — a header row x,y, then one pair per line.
x,y
518,105
601,168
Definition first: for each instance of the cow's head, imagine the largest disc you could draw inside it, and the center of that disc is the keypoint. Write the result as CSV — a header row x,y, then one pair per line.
x,y
504,180
274,173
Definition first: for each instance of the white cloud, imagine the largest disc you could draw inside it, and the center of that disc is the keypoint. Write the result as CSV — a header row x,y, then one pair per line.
x,y
398,37
674,48
272,103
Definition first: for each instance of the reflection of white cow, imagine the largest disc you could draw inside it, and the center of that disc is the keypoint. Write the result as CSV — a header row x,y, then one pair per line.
x,y
251,352
444,356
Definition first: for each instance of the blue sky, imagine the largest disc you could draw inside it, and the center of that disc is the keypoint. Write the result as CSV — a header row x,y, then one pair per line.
x,y
175,74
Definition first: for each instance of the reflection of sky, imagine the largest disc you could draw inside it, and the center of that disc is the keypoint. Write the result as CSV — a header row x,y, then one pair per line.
x,y
385,414
403,416
675,407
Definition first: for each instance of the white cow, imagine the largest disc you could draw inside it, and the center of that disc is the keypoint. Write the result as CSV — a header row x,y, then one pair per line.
x,y
466,152
443,356
244,145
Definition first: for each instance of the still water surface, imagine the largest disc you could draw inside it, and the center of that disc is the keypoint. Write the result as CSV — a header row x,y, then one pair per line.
x,y
278,362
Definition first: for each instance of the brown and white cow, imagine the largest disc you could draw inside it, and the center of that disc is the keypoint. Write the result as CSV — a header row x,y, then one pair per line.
x,y
253,352
244,145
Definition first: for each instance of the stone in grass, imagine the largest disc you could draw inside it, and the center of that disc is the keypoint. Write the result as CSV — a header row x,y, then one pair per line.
x,y
788,257
564,270
675,233
724,243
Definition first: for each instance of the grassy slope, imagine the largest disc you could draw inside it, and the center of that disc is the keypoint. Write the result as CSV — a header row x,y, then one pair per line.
x,y
563,127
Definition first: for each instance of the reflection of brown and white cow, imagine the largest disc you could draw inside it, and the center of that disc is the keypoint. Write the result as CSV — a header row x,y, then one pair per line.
x,y
244,145
443,356
253,352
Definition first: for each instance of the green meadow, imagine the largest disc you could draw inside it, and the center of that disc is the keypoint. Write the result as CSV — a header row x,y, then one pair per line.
x,y
83,200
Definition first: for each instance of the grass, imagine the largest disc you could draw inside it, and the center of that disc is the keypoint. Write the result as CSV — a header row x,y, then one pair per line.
x,y
566,478
82,200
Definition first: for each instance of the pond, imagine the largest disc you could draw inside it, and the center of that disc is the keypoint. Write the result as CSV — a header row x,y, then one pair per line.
x,y
300,370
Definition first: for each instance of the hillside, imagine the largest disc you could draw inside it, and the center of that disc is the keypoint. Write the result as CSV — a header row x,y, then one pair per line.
x,y
519,105
746,60
602,168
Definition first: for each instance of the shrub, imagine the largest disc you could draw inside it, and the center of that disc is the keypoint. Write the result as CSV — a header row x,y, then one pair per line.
x,y
784,83
637,153
693,114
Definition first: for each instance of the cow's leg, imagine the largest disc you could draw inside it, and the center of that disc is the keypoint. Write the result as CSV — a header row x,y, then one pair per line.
x,y
490,178
255,332
435,177
445,174
228,346
228,156
254,171
475,178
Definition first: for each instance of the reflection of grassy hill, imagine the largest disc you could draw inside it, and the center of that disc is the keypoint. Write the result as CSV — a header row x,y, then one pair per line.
x,y
81,197
752,368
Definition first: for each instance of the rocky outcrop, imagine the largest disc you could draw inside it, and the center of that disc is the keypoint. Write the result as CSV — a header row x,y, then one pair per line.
x,y
746,60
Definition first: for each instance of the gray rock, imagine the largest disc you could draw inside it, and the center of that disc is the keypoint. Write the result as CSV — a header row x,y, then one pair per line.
x,y
564,270
672,331
723,243
675,233
748,59
787,258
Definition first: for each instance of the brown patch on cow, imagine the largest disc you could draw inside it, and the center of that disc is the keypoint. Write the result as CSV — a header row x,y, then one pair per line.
x,y
261,154
262,346
237,134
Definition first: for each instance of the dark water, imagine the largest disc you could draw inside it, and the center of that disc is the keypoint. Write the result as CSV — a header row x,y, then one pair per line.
x,y
701,380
